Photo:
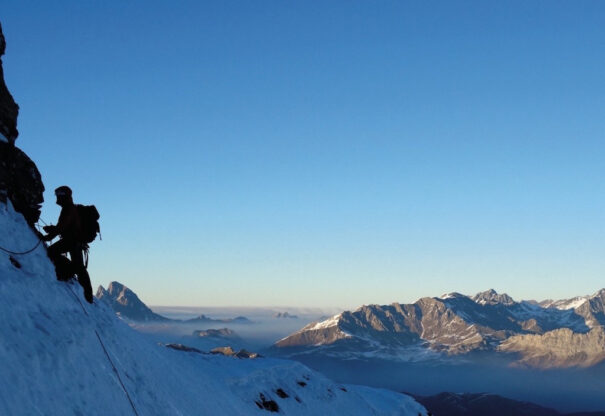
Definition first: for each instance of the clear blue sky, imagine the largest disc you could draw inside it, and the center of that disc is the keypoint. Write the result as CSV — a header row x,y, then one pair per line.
x,y
321,153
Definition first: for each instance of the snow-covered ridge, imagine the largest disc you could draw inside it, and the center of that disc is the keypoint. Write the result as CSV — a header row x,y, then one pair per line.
x,y
576,303
491,297
328,323
453,324
53,363
452,295
566,304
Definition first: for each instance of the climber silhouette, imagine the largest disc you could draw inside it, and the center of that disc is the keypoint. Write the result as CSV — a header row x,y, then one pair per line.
x,y
69,228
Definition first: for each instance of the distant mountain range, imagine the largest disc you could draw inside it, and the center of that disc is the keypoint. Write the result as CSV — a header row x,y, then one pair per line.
x,y
205,319
127,305
547,334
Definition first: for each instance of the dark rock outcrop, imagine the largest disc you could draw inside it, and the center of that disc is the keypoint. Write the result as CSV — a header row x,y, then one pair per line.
x,y
20,180
230,352
181,347
266,404
9,110
223,350
281,393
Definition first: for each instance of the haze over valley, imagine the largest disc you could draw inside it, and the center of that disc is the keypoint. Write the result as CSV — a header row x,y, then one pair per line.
x,y
550,352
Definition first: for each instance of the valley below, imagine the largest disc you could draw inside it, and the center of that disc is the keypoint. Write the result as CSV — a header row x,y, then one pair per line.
x,y
566,390
549,354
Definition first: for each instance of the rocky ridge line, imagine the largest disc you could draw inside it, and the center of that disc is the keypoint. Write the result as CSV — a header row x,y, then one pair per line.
x,y
456,324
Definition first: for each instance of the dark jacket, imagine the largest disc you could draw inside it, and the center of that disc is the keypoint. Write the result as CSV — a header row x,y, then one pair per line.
x,y
68,226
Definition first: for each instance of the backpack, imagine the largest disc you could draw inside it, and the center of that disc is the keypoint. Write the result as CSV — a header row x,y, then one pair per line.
x,y
89,221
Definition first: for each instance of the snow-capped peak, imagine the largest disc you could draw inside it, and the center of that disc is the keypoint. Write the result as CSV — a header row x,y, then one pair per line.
x,y
491,297
573,303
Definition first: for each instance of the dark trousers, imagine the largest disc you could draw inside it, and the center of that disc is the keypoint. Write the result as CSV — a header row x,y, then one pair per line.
x,y
55,253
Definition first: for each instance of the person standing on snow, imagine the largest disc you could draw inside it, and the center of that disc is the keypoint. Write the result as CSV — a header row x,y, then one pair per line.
x,y
69,228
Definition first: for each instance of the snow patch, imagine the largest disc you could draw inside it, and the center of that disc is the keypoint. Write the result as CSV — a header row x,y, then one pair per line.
x,y
575,303
328,323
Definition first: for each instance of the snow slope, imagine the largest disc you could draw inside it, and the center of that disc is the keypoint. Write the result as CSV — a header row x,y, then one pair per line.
x,y
52,362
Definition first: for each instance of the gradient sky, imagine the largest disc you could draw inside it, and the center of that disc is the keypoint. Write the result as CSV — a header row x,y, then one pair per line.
x,y
314,153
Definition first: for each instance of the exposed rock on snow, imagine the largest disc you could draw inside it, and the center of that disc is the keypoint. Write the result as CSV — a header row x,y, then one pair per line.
x,y
267,404
228,351
181,347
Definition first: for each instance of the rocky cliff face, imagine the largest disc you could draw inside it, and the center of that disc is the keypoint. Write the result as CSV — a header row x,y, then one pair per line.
x,y
568,335
20,180
429,321
9,110
593,309
560,348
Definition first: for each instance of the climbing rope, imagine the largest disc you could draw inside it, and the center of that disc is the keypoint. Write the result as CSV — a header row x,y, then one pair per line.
x,y
22,252
134,409
16,253
115,370
40,227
